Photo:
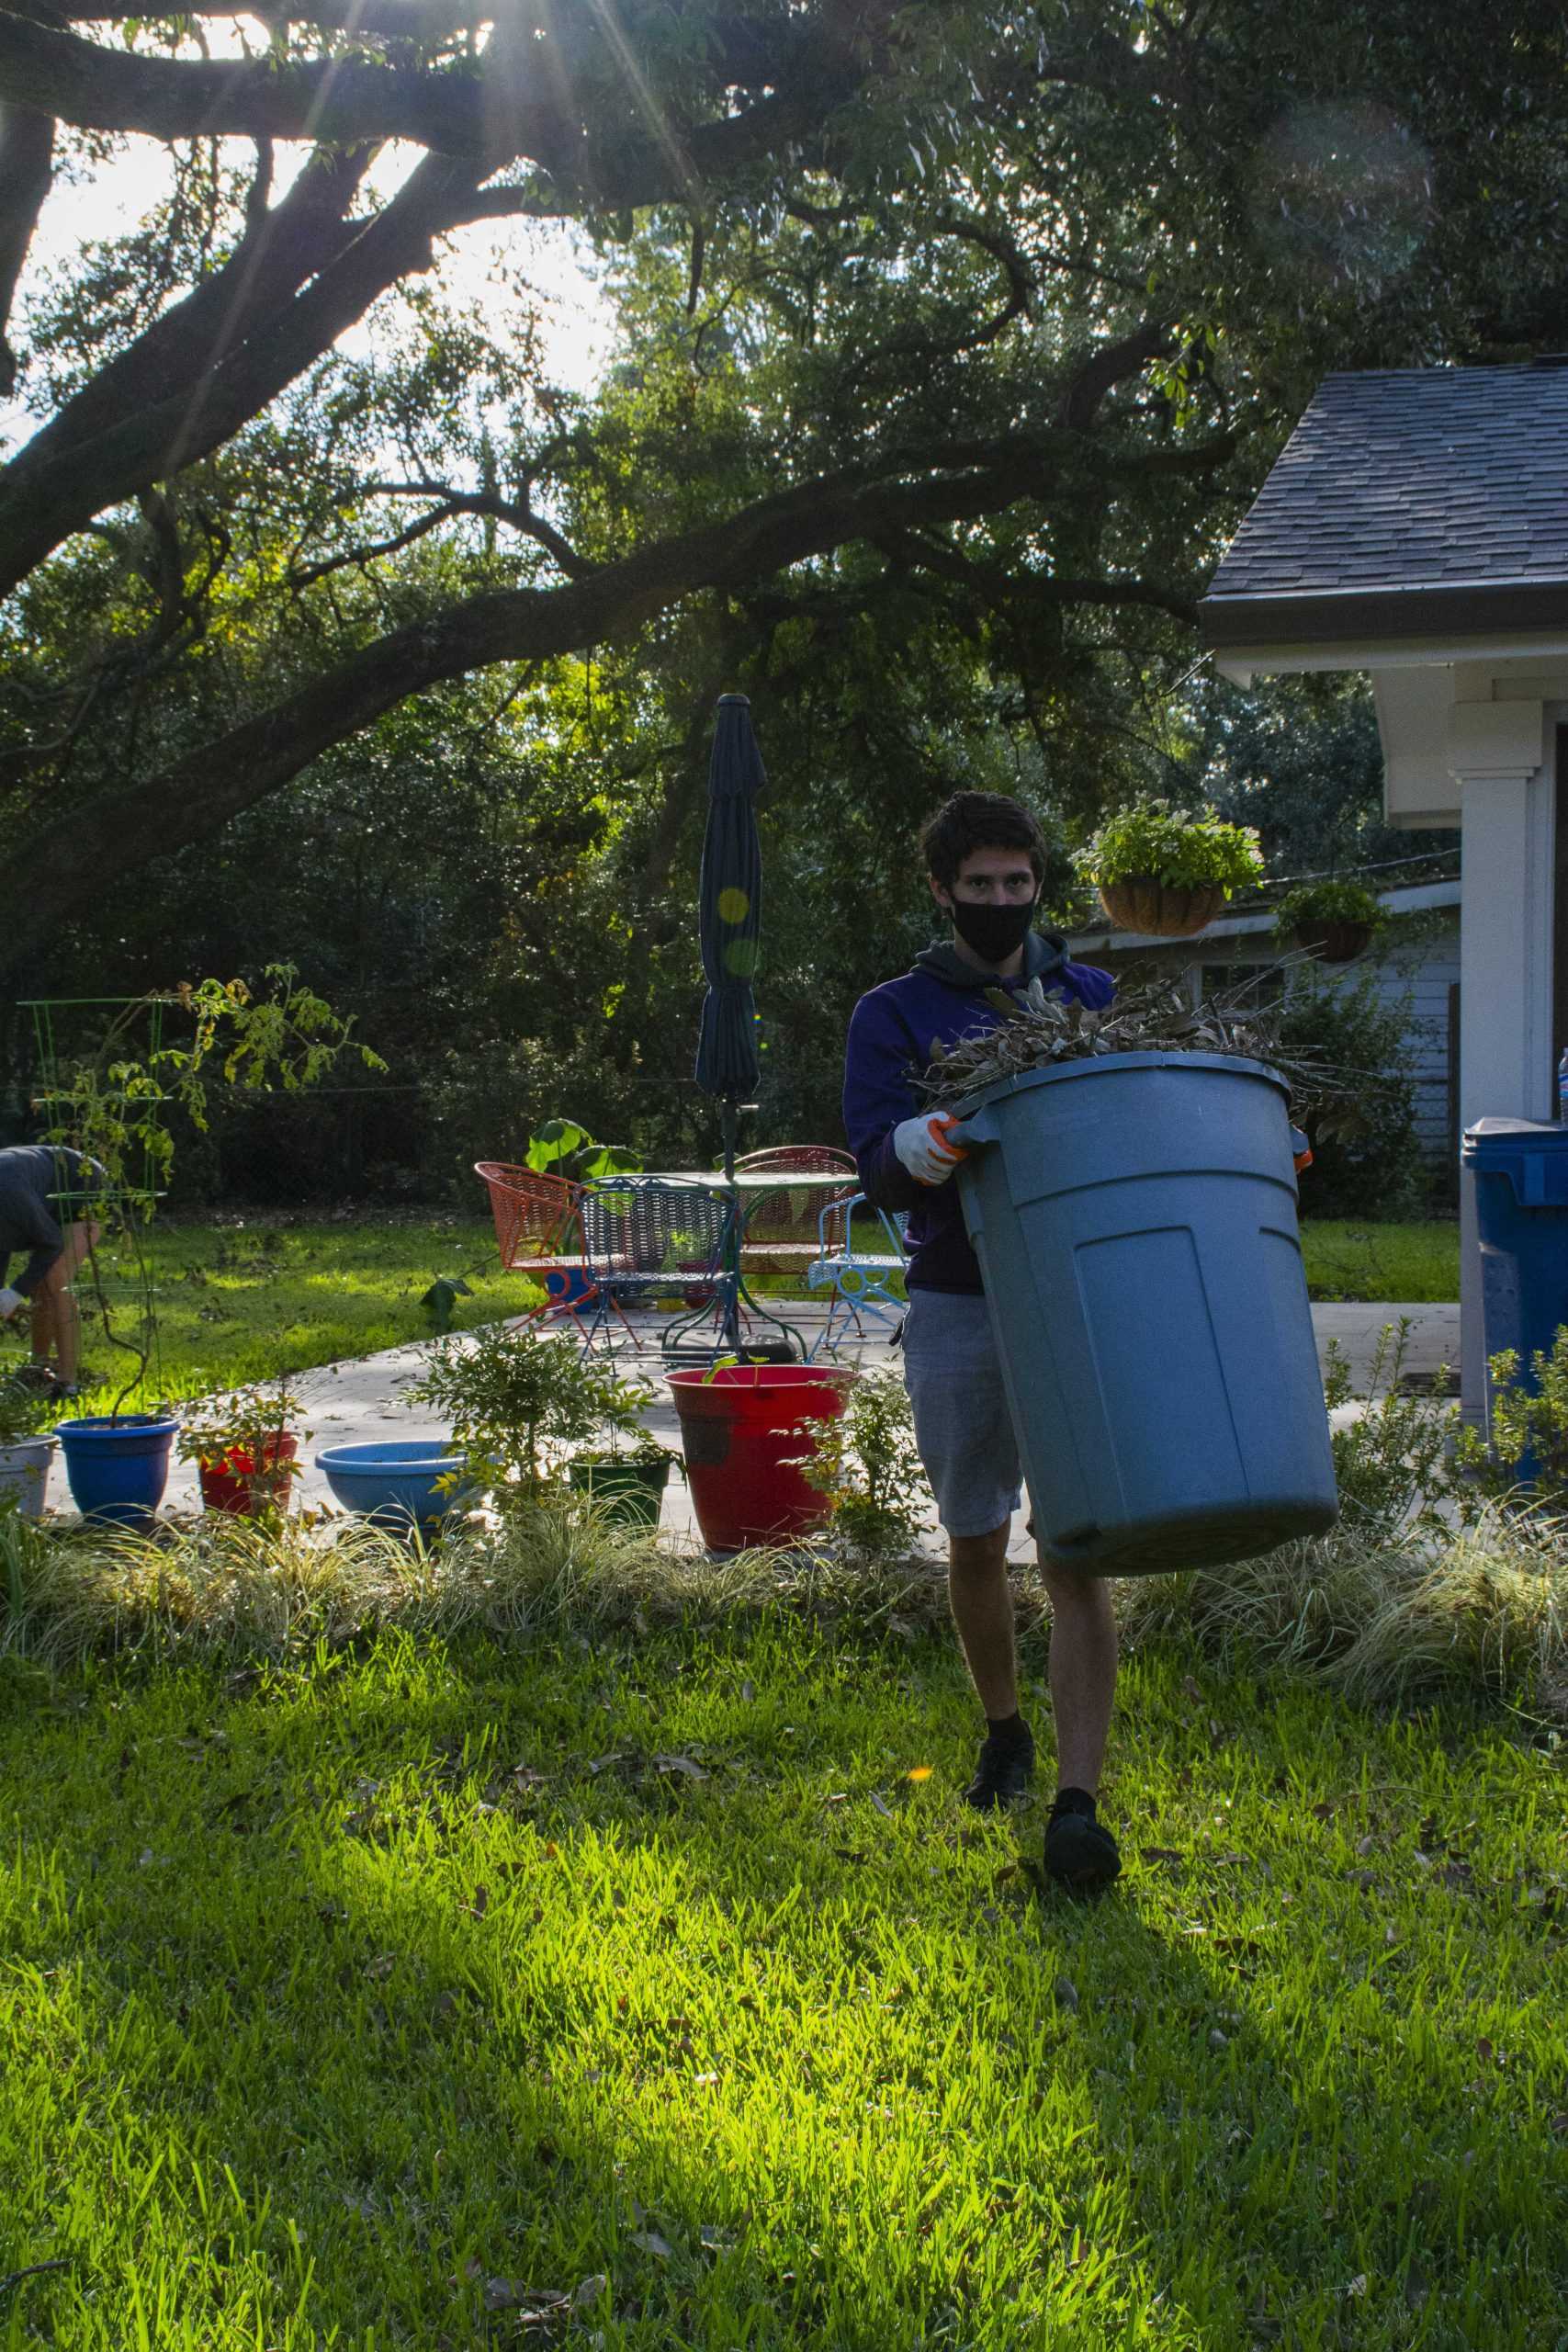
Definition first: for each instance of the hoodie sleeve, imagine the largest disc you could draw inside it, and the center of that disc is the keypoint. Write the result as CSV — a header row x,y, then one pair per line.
x,y
877,1098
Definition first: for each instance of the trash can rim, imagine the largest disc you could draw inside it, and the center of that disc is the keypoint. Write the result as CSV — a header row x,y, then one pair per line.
x,y
1239,1065
1502,1139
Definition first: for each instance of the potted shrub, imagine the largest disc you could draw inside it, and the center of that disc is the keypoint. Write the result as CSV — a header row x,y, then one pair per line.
x,y
26,1447
243,1447
1164,871
517,1399
1334,921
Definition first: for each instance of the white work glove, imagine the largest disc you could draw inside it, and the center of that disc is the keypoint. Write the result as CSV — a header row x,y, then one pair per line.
x,y
922,1145
10,1301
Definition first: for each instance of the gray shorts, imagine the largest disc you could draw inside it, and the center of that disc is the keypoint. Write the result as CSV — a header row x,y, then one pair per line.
x,y
962,1427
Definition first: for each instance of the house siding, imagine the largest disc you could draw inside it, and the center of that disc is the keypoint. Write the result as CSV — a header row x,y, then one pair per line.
x,y
1422,980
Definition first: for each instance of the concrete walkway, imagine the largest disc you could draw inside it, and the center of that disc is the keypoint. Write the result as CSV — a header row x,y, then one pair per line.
x,y
363,1401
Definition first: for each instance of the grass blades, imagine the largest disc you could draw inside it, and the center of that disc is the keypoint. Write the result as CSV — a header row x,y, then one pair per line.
x,y
628,1991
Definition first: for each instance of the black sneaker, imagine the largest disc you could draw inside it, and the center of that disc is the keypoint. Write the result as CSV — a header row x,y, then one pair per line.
x,y
1080,1853
1003,1770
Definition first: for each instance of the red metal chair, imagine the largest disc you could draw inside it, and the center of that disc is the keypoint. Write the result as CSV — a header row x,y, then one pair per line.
x,y
781,1231
538,1225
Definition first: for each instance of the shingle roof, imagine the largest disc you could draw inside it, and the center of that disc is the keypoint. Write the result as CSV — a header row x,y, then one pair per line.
x,y
1407,499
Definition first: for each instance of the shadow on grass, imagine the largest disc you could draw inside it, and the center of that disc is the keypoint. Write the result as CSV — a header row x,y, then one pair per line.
x,y
487,1978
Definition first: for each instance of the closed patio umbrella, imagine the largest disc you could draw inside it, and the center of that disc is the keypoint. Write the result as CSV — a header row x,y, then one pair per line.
x,y
731,916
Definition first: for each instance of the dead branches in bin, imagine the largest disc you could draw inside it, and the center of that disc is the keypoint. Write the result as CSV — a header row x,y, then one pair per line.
x,y
1150,1014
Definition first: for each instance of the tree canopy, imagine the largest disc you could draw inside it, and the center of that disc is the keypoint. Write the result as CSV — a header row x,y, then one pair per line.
x,y
948,335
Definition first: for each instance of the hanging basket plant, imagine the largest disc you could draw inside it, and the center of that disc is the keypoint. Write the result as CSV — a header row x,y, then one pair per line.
x,y
1334,921
1164,872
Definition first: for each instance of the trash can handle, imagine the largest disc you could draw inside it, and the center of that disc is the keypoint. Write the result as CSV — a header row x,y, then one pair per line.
x,y
1534,1194
981,1128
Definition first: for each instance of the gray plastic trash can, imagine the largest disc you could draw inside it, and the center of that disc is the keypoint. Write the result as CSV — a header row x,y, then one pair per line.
x,y
1134,1219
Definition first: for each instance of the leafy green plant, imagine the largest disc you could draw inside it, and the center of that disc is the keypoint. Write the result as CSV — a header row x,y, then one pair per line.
x,y
246,1421
1151,839
515,1397
561,1148
1354,1045
1310,904
1527,1436
868,1467
112,1105
25,1412
1393,1462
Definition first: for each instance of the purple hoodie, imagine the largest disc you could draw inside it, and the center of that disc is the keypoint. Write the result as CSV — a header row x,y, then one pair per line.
x,y
892,1031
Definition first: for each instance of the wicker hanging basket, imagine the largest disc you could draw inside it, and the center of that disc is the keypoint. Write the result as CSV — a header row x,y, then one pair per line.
x,y
1141,903
1334,942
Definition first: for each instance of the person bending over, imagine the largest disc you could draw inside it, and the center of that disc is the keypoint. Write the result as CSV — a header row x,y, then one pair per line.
x,y
42,1188
986,860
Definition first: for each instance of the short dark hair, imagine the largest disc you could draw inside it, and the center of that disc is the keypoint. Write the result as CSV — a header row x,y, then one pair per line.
x,y
972,821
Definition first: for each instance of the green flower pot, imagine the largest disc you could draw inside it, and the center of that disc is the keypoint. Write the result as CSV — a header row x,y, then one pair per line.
x,y
627,1489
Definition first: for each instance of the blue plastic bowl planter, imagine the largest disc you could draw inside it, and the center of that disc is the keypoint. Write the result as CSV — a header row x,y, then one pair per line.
x,y
117,1467
394,1484
1135,1218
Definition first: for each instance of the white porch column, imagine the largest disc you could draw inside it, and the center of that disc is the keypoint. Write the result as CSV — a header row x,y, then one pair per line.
x,y
1498,754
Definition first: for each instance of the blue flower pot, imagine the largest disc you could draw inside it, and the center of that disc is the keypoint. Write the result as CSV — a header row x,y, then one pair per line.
x,y
118,1468
393,1484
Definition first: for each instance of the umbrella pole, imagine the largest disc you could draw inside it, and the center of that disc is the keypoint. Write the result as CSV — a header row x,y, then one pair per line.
x,y
732,1248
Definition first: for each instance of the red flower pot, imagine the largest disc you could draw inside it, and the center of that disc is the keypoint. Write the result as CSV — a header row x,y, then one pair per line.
x,y
233,1482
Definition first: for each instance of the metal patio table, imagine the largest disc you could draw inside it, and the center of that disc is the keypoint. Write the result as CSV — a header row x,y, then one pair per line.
x,y
746,1189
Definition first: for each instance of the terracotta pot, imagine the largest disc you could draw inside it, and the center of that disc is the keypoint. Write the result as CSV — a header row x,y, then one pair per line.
x,y
1334,942
1141,903
234,1484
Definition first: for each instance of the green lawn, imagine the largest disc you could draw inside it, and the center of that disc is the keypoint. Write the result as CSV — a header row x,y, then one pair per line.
x,y
387,2002
244,1301
1382,1262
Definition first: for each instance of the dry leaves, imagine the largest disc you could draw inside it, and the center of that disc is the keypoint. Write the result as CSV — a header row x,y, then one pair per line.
x,y
1147,1016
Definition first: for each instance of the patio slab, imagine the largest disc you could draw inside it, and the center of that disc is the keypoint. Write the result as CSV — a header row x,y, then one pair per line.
x,y
365,1400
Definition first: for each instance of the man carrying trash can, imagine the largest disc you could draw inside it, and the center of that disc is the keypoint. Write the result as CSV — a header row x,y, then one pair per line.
x,y
43,1189
985,859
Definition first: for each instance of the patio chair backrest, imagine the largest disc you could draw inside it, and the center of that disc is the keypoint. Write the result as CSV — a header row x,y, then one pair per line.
x,y
804,1156
639,1228
838,1238
787,1220
536,1219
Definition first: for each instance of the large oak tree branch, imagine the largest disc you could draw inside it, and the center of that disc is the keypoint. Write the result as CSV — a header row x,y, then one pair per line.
x,y
27,170
282,250
344,100
43,499
202,792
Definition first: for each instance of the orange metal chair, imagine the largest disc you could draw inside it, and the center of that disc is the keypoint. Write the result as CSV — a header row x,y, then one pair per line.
x,y
538,1226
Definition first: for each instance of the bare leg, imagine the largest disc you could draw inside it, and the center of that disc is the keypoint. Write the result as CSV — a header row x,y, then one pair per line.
x,y
55,1313
1083,1673
42,1322
981,1600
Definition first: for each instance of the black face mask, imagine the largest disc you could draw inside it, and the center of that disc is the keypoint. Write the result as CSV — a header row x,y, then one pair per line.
x,y
994,931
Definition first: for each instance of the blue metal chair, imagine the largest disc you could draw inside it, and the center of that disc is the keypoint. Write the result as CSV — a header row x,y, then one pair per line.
x,y
643,1239
860,1280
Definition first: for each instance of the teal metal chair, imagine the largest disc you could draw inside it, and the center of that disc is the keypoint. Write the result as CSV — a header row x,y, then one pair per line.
x,y
860,1281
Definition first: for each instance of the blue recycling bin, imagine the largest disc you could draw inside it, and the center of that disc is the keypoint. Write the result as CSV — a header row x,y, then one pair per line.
x,y
1520,1172
1135,1218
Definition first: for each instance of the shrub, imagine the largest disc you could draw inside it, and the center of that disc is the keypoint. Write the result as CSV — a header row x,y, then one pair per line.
x,y
867,1467
1366,1156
